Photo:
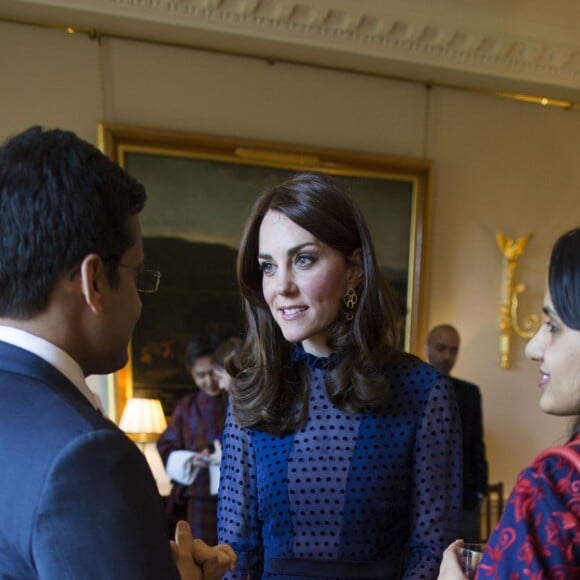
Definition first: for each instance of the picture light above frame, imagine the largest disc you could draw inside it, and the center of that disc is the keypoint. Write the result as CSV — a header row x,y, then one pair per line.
x,y
200,189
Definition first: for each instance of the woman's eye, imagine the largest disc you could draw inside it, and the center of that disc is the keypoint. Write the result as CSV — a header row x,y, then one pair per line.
x,y
266,267
551,326
305,260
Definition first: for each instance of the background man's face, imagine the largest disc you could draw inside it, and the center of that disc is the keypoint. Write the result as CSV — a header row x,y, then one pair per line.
x,y
203,376
442,350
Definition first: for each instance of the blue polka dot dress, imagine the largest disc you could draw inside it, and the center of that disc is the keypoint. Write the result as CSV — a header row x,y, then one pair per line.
x,y
371,495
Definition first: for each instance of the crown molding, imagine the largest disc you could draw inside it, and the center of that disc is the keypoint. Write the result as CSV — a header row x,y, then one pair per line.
x,y
431,45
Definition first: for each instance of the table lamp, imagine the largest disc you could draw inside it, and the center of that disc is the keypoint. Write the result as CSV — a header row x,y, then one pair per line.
x,y
143,420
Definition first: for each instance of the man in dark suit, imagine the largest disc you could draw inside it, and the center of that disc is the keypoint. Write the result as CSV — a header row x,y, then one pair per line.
x,y
442,349
77,499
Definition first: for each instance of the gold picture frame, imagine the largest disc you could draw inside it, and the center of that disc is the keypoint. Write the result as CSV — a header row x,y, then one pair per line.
x,y
185,174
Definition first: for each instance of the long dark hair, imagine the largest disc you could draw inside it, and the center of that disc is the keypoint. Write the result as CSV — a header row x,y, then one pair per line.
x,y
267,384
564,284
564,278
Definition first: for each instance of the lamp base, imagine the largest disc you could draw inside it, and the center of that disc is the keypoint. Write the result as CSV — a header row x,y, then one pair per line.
x,y
143,437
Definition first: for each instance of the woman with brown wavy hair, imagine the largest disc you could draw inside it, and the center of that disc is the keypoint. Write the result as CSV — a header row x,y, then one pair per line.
x,y
341,456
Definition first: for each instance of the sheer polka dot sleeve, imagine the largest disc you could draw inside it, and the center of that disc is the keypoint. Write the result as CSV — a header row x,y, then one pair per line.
x,y
436,481
238,520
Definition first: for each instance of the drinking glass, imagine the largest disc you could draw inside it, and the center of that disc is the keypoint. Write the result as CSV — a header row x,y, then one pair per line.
x,y
470,557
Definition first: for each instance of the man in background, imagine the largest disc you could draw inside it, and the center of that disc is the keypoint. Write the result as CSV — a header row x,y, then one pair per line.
x,y
442,349
77,498
187,446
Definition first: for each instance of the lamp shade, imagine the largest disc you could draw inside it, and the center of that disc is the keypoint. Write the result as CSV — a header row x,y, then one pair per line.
x,y
143,419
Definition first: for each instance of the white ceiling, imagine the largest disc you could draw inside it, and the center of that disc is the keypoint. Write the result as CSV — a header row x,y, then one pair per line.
x,y
524,46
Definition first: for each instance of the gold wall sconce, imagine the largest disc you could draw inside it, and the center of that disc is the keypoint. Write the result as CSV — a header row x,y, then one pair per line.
x,y
511,251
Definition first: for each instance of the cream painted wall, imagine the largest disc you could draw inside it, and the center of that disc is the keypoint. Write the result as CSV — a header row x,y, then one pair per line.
x,y
236,96
48,78
499,166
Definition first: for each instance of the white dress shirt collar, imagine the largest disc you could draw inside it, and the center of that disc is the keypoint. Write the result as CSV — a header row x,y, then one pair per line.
x,y
53,355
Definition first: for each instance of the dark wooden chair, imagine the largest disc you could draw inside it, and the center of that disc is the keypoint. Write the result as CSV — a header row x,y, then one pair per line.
x,y
491,509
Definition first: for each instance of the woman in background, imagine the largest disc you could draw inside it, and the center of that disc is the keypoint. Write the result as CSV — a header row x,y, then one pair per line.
x,y
538,535
341,456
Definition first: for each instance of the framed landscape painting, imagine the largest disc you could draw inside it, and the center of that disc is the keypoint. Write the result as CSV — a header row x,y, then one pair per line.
x,y
200,190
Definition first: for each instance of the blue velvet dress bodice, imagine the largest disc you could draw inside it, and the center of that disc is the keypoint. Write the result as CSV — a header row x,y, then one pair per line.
x,y
347,488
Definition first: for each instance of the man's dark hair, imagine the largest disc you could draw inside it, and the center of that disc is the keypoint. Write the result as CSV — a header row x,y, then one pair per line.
x,y
60,200
438,328
200,345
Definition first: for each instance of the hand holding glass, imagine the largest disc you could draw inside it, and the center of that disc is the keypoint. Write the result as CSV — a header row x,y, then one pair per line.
x,y
469,558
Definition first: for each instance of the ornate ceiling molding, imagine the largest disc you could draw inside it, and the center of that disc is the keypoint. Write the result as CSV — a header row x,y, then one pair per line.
x,y
381,38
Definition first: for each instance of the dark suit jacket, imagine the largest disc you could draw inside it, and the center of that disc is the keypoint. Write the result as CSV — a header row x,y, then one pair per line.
x,y
77,498
474,461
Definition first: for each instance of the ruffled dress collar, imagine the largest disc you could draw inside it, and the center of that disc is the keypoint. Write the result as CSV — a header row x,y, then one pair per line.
x,y
313,361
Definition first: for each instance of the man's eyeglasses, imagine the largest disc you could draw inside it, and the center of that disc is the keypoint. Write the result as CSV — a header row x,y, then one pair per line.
x,y
145,280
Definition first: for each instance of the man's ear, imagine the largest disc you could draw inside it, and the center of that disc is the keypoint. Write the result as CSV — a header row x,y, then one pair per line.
x,y
356,268
93,281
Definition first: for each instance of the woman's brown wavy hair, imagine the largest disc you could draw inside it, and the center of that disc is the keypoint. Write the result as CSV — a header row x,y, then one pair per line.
x,y
267,385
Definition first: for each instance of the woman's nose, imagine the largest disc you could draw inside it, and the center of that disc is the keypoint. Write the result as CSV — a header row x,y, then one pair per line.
x,y
535,346
285,283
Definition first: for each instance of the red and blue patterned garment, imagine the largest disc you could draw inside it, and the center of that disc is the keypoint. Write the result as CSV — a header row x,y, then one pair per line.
x,y
538,535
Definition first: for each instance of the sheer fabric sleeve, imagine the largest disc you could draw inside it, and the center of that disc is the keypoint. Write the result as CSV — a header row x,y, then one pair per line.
x,y
436,482
238,519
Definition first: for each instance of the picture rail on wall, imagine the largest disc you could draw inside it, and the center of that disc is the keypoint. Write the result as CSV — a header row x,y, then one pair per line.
x,y
200,190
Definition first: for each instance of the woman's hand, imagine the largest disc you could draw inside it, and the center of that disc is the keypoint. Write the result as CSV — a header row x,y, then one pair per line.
x,y
450,568
196,560
215,561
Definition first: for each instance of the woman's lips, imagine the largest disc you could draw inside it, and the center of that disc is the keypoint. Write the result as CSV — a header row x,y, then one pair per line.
x,y
544,378
290,312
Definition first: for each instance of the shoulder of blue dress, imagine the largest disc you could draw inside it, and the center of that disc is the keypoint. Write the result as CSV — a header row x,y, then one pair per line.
x,y
404,365
314,362
407,361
